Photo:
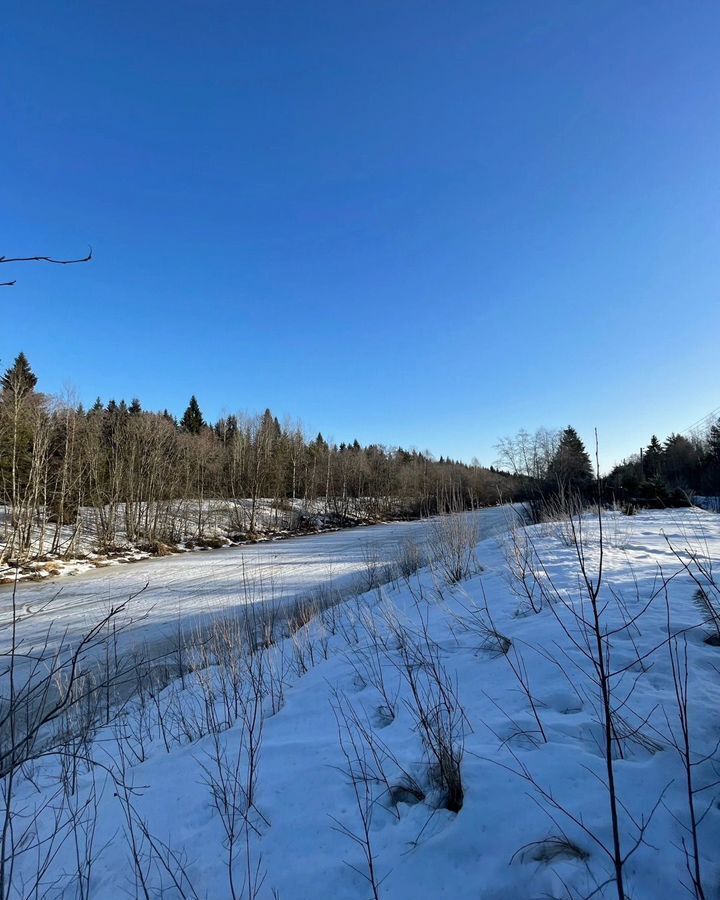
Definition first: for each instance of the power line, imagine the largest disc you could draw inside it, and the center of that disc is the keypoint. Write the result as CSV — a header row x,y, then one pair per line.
x,y
713,414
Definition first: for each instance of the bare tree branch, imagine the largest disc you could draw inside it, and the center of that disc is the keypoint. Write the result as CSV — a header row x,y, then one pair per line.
x,y
48,259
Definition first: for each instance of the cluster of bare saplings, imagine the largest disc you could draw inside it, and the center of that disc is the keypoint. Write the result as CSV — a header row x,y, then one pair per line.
x,y
78,714
118,473
87,713
407,666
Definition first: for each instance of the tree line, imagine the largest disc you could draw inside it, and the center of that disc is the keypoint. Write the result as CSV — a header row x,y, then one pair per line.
x,y
123,473
666,472
554,468
128,473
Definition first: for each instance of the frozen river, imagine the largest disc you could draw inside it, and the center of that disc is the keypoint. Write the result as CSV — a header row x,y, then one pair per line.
x,y
188,587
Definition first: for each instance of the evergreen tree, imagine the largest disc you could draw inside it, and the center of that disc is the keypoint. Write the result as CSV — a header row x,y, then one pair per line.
x,y
19,379
653,459
713,442
135,407
681,460
17,402
270,428
571,466
226,428
192,420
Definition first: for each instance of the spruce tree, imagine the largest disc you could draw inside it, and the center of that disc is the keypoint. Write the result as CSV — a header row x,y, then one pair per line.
x,y
652,463
270,430
681,460
192,420
17,399
713,441
19,379
571,466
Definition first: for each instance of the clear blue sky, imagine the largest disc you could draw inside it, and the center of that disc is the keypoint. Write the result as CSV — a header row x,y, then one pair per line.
x,y
425,224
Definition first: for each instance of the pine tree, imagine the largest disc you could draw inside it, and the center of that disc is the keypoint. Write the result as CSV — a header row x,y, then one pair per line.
x,y
653,460
135,407
19,379
713,441
571,466
192,420
681,459
17,400
226,428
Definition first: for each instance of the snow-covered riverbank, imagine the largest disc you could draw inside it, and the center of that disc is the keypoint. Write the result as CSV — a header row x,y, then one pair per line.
x,y
191,525
345,772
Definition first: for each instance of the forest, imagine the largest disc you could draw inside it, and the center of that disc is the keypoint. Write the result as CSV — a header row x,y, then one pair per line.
x,y
665,472
128,474
134,470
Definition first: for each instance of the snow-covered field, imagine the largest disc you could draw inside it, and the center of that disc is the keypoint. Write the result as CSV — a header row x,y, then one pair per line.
x,y
195,794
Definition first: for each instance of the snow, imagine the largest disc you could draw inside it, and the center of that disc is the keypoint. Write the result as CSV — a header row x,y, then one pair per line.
x,y
191,588
493,847
186,524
